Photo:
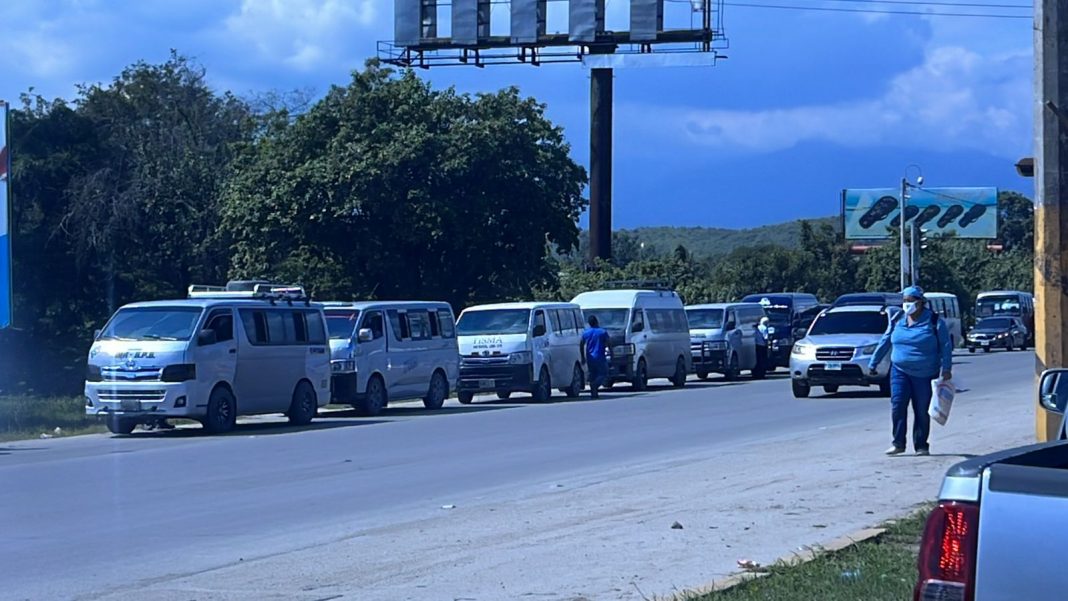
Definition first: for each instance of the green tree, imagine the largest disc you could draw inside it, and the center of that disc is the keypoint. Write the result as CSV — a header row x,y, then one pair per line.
x,y
387,188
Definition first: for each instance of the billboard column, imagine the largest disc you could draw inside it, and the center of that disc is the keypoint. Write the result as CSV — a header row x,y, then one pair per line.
x,y
1051,188
6,223
901,226
600,164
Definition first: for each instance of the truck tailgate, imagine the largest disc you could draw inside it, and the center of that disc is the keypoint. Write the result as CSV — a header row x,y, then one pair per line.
x,y
1023,534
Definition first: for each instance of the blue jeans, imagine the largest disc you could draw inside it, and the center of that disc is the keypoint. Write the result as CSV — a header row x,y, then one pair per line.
x,y
598,373
906,389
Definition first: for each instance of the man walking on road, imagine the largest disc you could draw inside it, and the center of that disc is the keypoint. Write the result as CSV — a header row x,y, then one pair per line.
x,y
595,343
920,350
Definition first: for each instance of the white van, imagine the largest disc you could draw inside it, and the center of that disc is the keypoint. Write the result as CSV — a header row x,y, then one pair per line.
x,y
210,358
649,331
521,347
383,351
948,308
723,338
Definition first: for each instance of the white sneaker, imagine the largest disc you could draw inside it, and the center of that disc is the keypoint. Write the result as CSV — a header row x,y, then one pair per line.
x,y
923,452
895,451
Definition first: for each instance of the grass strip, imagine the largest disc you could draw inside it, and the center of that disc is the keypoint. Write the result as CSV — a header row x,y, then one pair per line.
x,y
879,569
23,417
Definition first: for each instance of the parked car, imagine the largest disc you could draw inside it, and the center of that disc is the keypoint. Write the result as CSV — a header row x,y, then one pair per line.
x,y
997,529
837,350
1008,333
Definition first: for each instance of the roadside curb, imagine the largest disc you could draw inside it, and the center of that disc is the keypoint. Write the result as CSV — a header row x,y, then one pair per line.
x,y
792,560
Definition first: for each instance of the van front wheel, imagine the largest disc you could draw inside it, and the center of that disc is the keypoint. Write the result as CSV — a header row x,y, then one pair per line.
x,y
303,407
543,388
121,425
577,384
438,392
679,380
465,398
374,400
641,377
222,412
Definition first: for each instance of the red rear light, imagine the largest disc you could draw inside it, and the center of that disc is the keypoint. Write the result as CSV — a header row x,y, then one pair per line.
x,y
947,554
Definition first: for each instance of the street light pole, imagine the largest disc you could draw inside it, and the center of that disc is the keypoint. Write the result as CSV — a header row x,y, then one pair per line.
x,y
904,244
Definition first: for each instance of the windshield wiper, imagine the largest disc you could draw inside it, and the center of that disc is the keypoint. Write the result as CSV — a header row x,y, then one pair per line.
x,y
158,337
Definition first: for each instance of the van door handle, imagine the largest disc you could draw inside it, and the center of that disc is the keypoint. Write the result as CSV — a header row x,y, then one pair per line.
x,y
233,351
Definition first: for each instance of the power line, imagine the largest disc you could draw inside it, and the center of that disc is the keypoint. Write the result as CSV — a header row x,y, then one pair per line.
x,y
877,12
936,3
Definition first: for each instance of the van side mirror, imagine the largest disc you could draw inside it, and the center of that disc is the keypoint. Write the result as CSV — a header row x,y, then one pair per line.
x,y
207,338
730,326
365,335
638,327
539,331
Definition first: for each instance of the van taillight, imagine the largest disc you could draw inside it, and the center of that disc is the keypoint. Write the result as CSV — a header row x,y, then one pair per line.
x,y
947,554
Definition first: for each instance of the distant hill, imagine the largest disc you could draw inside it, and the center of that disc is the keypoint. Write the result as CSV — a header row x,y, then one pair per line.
x,y
706,242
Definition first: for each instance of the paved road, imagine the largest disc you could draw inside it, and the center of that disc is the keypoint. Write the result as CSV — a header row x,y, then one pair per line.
x,y
570,500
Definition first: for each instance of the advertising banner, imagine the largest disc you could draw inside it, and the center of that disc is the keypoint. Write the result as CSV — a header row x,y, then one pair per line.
x,y
874,214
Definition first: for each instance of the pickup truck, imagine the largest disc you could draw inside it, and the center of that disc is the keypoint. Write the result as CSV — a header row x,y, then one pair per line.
x,y
1001,524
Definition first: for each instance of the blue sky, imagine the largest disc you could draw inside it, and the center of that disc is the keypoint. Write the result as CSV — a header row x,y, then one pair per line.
x,y
807,102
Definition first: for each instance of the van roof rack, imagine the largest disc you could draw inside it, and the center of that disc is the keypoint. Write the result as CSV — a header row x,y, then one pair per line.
x,y
651,284
273,293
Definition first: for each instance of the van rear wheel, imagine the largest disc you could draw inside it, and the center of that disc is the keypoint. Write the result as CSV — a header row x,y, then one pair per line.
x,y
374,400
304,406
679,379
438,391
577,384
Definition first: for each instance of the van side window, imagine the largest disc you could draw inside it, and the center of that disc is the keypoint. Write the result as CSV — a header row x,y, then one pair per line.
x,y
276,328
373,321
255,323
557,321
401,327
300,328
418,324
567,317
637,321
682,325
579,320
316,328
446,324
539,320
222,323
435,325
657,322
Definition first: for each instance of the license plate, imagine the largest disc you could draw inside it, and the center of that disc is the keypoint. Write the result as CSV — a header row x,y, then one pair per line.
x,y
487,384
834,367
130,405
985,343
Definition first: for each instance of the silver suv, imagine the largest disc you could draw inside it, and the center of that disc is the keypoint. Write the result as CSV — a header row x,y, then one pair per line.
x,y
837,350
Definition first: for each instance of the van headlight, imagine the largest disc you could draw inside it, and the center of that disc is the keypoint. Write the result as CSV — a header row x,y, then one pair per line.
x,y
179,373
343,366
623,350
521,358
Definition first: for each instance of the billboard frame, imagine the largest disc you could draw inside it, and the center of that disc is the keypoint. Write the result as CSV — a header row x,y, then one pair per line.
x,y
955,210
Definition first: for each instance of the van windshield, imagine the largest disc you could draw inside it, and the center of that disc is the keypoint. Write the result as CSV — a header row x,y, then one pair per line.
x,y
609,319
998,305
494,321
705,319
850,322
153,323
340,324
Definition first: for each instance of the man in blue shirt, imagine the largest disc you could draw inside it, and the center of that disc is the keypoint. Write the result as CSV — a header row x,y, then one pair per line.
x,y
920,351
595,343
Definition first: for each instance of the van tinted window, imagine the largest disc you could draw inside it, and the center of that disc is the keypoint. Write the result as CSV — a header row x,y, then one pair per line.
x,y
419,324
255,323
315,327
222,323
445,324
373,321
568,317
399,322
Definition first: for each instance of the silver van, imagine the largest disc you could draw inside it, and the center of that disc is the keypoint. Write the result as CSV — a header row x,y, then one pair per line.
x,y
210,358
723,338
383,351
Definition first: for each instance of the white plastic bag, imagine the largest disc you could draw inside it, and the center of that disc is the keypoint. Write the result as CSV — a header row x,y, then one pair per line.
x,y
942,394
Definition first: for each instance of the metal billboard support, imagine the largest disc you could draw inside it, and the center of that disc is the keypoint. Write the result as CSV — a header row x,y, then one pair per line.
x,y
600,164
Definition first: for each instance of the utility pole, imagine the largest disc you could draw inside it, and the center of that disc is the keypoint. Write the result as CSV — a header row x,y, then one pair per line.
x,y
1051,193
914,252
600,164
904,245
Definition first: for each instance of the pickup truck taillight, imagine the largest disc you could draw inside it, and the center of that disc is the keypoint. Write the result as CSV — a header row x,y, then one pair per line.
x,y
947,553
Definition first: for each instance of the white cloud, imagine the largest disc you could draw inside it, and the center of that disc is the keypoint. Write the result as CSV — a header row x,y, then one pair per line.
x,y
956,99
303,34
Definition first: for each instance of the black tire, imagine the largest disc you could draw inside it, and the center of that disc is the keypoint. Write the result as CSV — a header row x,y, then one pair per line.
x,y
641,377
121,425
543,388
832,389
1009,347
578,383
986,349
465,398
437,392
304,406
801,389
222,412
884,388
504,396
679,379
374,400
703,375
733,371
971,349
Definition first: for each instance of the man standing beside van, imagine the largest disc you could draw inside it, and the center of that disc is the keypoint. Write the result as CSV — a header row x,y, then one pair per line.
x,y
762,333
595,343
